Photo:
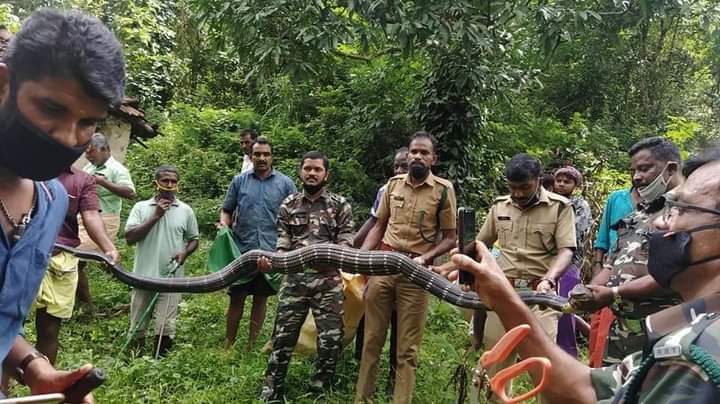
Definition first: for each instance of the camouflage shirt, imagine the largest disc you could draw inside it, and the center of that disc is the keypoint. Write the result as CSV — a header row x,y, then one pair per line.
x,y
302,222
629,258
674,377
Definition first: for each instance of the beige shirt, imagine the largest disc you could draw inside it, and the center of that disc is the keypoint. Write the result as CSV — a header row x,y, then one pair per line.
x,y
411,209
529,239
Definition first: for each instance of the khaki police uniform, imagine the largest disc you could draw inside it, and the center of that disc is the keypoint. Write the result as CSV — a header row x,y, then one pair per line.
x,y
414,215
528,241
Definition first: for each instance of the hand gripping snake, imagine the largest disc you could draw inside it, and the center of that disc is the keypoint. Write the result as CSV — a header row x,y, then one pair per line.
x,y
320,256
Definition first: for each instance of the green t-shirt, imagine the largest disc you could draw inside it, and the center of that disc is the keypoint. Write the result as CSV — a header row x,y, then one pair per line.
x,y
110,204
169,236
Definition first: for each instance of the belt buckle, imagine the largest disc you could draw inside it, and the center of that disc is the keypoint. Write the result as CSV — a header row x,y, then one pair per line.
x,y
522,284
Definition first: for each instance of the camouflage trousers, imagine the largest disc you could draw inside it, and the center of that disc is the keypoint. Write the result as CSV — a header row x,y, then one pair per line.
x,y
626,336
323,294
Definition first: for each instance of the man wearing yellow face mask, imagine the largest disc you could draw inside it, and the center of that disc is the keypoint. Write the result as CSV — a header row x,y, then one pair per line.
x,y
166,233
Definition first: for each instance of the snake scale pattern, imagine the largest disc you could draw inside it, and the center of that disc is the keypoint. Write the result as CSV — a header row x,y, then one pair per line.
x,y
319,256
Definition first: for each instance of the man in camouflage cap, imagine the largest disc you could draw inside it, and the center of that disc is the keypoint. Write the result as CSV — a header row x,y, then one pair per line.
x,y
313,216
623,285
680,361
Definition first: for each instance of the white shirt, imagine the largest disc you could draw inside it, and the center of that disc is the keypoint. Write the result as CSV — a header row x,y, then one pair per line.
x,y
247,164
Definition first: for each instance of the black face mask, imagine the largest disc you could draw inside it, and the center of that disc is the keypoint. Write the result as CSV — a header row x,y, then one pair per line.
x,y
313,189
668,256
29,152
418,171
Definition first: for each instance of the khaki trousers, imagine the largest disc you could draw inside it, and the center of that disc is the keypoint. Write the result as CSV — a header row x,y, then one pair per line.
x,y
494,329
411,303
165,311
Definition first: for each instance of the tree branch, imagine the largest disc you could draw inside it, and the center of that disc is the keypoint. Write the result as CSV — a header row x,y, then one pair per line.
x,y
364,58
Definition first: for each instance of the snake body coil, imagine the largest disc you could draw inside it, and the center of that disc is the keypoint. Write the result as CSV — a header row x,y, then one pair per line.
x,y
319,256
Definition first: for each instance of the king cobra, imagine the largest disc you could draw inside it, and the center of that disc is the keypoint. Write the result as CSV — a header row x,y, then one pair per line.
x,y
319,256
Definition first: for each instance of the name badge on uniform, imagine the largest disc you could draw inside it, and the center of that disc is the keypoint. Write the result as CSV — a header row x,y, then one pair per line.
x,y
504,218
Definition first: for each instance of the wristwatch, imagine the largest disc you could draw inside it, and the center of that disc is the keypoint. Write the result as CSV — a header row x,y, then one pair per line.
x,y
25,362
617,299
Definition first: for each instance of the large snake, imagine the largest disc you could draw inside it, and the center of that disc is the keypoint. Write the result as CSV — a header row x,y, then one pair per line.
x,y
319,256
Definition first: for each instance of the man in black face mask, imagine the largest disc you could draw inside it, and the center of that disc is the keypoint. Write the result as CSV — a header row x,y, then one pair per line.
x,y
60,74
680,361
535,232
623,284
413,210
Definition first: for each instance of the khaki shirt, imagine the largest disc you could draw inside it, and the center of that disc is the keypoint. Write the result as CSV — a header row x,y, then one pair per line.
x,y
409,209
529,239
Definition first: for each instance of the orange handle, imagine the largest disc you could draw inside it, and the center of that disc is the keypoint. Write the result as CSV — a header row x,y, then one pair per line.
x,y
498,382
505,346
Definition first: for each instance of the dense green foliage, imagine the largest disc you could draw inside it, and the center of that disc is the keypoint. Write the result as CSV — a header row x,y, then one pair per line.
x,y
572,82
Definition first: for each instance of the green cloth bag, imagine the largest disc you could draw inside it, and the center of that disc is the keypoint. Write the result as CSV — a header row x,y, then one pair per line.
x,y
224,251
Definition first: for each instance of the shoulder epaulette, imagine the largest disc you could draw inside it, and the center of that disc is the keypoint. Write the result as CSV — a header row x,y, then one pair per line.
x,y
559,198
398,177
444,182
501,199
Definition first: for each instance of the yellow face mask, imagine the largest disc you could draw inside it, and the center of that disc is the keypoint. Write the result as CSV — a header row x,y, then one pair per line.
x,y
163,188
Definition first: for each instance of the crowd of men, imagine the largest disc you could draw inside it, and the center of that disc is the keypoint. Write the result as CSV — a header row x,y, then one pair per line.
x,y
656,264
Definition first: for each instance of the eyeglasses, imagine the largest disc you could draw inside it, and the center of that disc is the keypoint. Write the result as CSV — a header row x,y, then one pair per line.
x,y
675,207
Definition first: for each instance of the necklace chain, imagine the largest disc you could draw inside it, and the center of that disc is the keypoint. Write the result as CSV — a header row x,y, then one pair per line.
x,y
18,226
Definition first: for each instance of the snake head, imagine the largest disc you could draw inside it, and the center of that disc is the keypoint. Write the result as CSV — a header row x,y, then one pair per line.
x,y
583,299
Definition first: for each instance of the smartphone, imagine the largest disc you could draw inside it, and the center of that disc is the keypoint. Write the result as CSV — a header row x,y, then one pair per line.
x,y
53,398
466,240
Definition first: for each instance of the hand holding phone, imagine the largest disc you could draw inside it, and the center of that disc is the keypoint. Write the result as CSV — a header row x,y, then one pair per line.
x,y
466,240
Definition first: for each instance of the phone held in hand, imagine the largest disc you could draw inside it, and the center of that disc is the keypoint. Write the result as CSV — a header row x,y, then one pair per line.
x,y
466,240
54,398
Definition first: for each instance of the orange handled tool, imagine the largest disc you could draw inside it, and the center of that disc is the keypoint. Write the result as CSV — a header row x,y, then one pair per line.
x,y
502,349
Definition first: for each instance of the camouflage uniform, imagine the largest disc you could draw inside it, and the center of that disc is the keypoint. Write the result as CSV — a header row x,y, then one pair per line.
x,y
628,261
302,222
674,370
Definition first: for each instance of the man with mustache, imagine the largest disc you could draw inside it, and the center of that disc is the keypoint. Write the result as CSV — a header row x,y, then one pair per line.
x,y
165,232
414,209
313,216
247,138
253,199
680,361
535,231
59,76
623,284
113,185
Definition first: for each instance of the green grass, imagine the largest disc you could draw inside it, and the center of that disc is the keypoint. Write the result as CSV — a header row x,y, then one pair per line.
x,y
198,370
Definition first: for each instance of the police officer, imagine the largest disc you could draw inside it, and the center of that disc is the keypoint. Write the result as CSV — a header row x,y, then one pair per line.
x,y
623,284
680,362
535,231
414,208
313,216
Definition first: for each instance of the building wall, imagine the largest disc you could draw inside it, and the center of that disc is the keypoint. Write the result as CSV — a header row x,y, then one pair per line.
x,y
118,134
